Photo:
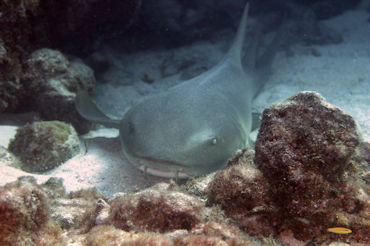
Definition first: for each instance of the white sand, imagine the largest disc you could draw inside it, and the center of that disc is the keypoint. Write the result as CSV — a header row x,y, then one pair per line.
x,y
341,74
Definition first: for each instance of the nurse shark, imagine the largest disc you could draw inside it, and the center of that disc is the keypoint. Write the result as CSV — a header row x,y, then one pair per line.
x,y
193,128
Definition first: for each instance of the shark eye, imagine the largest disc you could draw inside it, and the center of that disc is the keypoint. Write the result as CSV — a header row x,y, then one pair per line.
x,y
214,141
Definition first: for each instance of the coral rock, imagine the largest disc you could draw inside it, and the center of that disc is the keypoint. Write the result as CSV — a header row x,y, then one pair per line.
x,y
242,192
155,210
305,132
53,81
24,215
109,235
238,189
10,83
303,150
15,41
7,158
198,240
221,232
44,145
106,235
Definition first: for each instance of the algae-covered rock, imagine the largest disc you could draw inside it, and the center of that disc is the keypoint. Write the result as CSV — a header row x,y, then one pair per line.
x,y
10,79
68,209
15,42
7,158
243,193
44,145
305,132
304,150
157,209
309,174
52,83
24,215
27,217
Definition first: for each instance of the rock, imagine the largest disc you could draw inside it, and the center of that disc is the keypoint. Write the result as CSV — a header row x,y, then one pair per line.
x,y
44,145
305,132
360,163
30,25
303,149
198,240
220,232
109,235
157,210
198,186
16,23
24,215
106,235
10,79
54,188
8,159
339,244
34,214
53,81
35,24
243,193
213,234
69,212
15,42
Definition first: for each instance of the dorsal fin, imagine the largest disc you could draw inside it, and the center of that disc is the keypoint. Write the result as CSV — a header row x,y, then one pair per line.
x,y
235,50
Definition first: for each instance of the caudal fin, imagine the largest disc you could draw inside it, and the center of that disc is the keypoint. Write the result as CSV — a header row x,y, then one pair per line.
x,y
88,110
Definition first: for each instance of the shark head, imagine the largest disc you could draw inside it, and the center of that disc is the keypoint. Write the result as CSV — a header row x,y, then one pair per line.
x,y
181,140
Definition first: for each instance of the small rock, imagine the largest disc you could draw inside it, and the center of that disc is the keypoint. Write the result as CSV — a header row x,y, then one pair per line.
x,y
199,240
339,244
54,188
44,145
198,186
238,189
70,210
155,210
8,159
106,235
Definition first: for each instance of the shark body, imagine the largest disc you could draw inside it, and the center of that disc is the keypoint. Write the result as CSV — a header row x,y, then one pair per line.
x,y
193,128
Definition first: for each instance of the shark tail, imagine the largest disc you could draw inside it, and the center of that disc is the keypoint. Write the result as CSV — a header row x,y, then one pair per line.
x,y
88,110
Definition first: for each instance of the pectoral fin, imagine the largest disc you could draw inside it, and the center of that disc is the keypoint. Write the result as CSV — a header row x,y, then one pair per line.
x,y
88,110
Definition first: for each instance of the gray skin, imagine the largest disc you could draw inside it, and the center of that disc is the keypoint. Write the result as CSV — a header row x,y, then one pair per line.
x,y
193,128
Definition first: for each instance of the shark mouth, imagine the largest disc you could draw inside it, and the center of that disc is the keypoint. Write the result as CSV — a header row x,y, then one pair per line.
x,y
178,174
159,168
